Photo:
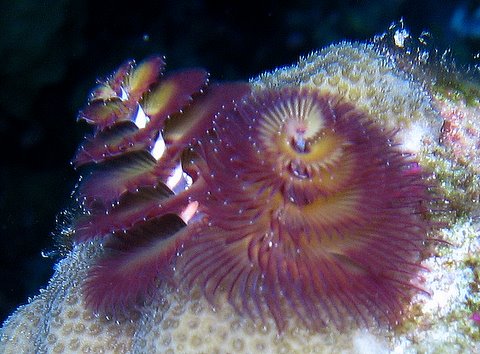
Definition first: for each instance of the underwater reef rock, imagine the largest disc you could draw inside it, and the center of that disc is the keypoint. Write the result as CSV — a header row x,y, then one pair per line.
x,y
315,209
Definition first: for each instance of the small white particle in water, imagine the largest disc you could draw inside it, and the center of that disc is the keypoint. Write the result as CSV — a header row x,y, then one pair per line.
x,y
412,137
365,342
124,95
188,180
141,119
400,36
175,178
158,148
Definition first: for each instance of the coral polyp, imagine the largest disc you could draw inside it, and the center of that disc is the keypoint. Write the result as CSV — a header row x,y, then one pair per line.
x,y
312,210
